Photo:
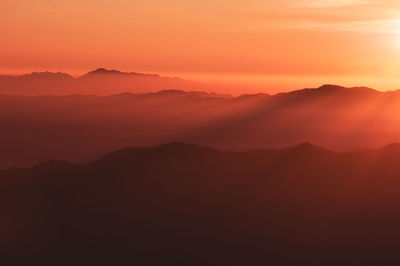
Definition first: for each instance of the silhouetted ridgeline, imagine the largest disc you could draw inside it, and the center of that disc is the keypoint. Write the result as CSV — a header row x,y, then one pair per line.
x,y
181,204
100,82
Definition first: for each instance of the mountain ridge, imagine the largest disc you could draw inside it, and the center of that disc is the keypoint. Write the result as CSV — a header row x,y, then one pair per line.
x,y
190,201
100,81
85,126
104,71
107,74
182,150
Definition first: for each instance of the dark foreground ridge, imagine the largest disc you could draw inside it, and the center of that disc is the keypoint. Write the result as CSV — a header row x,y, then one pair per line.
x,y
181,204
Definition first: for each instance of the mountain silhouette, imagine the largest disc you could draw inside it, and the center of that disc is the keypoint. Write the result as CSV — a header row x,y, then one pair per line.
x,y
46,75
184,204
100,81
103,72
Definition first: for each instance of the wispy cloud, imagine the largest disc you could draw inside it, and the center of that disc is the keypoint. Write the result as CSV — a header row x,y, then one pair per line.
x,y
330,3
363,16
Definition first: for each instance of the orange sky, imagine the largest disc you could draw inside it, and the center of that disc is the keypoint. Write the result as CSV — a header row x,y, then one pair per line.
x,y
255,44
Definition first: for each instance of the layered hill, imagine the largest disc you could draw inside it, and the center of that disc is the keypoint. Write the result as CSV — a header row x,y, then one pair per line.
x,y
79,128
181,204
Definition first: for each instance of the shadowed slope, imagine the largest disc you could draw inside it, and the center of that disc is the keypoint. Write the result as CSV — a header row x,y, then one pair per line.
x,y
188,205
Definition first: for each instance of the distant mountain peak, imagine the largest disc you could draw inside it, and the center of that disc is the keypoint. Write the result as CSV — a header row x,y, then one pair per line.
x,y
181,148
392,147
336,88
308,148
47,74
330,87
104,71
169,150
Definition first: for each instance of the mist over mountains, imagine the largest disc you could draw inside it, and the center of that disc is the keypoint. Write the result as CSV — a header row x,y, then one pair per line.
x,y
244,193
183,204
79,128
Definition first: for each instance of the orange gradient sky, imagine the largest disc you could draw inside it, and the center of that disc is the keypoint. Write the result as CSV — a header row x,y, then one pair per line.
x,y
252,44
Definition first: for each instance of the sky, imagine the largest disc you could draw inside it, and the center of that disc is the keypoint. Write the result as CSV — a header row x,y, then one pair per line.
x,y
253,45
